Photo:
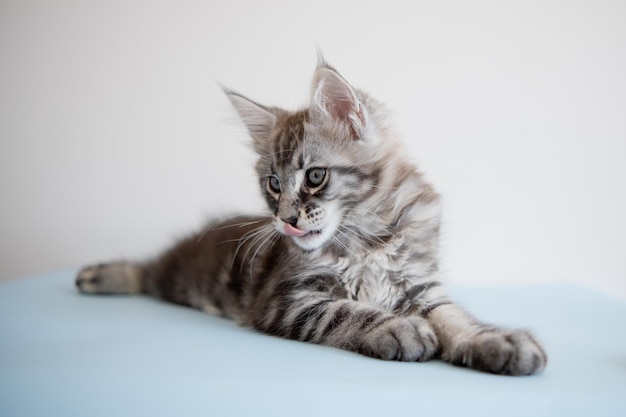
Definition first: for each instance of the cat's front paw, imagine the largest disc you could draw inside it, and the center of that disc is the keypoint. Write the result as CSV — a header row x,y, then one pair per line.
x,y
401,338
507,352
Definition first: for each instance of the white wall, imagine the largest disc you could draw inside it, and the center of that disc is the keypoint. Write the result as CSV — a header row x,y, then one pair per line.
x,y
115,136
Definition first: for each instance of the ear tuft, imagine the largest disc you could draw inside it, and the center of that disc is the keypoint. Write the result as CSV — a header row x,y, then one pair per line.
x,y
321,61
334,98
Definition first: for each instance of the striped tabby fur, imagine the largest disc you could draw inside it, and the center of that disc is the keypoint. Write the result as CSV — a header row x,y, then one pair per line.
x,y
347,256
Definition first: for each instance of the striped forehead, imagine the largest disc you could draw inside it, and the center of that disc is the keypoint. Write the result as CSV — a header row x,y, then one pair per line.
x,y
288,146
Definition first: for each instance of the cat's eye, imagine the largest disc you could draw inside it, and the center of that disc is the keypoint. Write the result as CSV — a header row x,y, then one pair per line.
x,y
274,184
315,177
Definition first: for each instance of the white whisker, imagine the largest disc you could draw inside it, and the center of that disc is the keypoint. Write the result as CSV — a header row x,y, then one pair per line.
x,y
259,238
211,227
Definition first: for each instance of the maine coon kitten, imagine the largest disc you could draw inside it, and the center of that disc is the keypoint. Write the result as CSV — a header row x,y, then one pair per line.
x,y
348,256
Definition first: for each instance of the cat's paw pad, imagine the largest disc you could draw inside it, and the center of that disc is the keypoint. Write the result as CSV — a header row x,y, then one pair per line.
x,y
508,352
401,338
109,278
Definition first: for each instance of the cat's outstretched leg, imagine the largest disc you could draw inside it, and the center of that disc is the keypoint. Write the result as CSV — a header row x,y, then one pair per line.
x,y
110,278
468,342
316,310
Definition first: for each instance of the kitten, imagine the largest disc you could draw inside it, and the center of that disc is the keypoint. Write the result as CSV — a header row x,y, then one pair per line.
x,y
347,258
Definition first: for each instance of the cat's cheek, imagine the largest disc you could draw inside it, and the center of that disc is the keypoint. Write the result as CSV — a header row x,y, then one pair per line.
x,y
279,225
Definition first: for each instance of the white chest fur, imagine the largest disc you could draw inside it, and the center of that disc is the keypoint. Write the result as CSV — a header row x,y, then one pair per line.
x,y
372,276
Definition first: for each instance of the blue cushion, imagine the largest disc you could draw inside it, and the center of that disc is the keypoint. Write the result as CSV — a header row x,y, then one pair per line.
x,y
67,354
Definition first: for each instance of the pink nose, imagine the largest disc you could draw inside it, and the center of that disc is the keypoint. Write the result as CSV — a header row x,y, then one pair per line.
x,y
293,231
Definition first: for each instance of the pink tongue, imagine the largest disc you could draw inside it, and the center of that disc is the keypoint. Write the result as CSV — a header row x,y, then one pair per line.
x,y
293,231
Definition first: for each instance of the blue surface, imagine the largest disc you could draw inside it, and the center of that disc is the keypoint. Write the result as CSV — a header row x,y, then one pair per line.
x,y
66,354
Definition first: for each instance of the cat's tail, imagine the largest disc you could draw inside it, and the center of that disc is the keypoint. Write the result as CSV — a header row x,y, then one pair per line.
x,y
111,278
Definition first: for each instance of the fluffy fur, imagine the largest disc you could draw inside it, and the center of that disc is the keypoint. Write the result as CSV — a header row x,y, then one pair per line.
x,y
346,258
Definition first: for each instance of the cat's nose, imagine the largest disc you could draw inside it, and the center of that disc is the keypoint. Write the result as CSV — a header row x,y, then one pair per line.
x,y
293,220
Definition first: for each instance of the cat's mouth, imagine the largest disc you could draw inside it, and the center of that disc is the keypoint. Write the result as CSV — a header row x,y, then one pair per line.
x,y
293,231
310,234
310,239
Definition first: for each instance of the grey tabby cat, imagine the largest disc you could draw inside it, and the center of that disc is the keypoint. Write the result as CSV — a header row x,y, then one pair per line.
x,y
348,257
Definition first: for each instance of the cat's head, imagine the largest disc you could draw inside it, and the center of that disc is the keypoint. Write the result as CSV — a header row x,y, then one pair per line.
x,y
317,166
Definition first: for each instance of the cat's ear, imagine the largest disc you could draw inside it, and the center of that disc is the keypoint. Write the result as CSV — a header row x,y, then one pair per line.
x,y
332,97
260,120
